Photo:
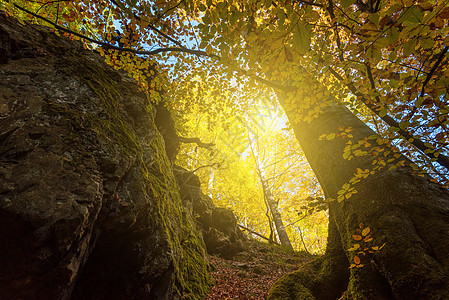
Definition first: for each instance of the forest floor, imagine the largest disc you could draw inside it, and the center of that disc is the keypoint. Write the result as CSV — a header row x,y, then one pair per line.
x,y
250,274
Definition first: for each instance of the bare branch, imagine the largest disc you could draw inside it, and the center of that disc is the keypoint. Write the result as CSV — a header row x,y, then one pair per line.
x,y
435,66
196,141
258,234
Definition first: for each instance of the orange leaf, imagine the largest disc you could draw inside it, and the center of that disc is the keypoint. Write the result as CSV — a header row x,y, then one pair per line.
x,y
367,239
357,237
356,260
366,231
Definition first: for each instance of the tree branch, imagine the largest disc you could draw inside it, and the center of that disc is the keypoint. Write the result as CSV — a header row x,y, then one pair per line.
x,y
435,66
309,3
108,46
375,108
258,234
196,141
165,12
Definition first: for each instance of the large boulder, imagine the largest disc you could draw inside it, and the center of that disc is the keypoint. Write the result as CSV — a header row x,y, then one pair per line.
x,y
218,225
89,206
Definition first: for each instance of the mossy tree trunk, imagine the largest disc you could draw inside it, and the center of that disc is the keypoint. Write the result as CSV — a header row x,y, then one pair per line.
x,y
406,212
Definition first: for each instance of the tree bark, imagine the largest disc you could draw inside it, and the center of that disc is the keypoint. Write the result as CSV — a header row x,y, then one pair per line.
x,y
406,212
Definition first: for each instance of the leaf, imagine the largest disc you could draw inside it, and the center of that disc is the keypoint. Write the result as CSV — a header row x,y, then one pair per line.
x,y
302,38
312,16
346,3
446,41
367,239
357,237
412,14
357,260
366,231
330,136
383,112
409,47
375,248
444,14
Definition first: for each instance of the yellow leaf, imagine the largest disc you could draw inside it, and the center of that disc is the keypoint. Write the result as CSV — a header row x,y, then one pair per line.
x,y
375,248
366,231
367,239
330,136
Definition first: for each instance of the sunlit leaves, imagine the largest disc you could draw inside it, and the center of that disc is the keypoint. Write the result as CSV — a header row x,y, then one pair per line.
x,y
364,251
302,38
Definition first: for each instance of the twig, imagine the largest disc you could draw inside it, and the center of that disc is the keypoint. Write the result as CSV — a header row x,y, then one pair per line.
x,y
109,46
435,66
165,12
258,234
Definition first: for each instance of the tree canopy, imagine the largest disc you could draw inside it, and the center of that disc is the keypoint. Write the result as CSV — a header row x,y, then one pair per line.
x,y
212,60
217,63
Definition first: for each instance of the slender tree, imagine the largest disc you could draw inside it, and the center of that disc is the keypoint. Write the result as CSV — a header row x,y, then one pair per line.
x,y
268,196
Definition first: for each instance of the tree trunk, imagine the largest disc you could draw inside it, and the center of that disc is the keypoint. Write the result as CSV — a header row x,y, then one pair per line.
x,y
406,212
272,205
277,218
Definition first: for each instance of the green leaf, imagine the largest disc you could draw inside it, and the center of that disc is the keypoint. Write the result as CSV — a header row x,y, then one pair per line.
x,y
383,112
393,129
312,16
419,102
409,47
302,38
281,16
346,3
426,43
412,14
393,35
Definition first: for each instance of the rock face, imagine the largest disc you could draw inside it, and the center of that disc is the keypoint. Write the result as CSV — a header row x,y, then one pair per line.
x,y
218,225
89,206
221,233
